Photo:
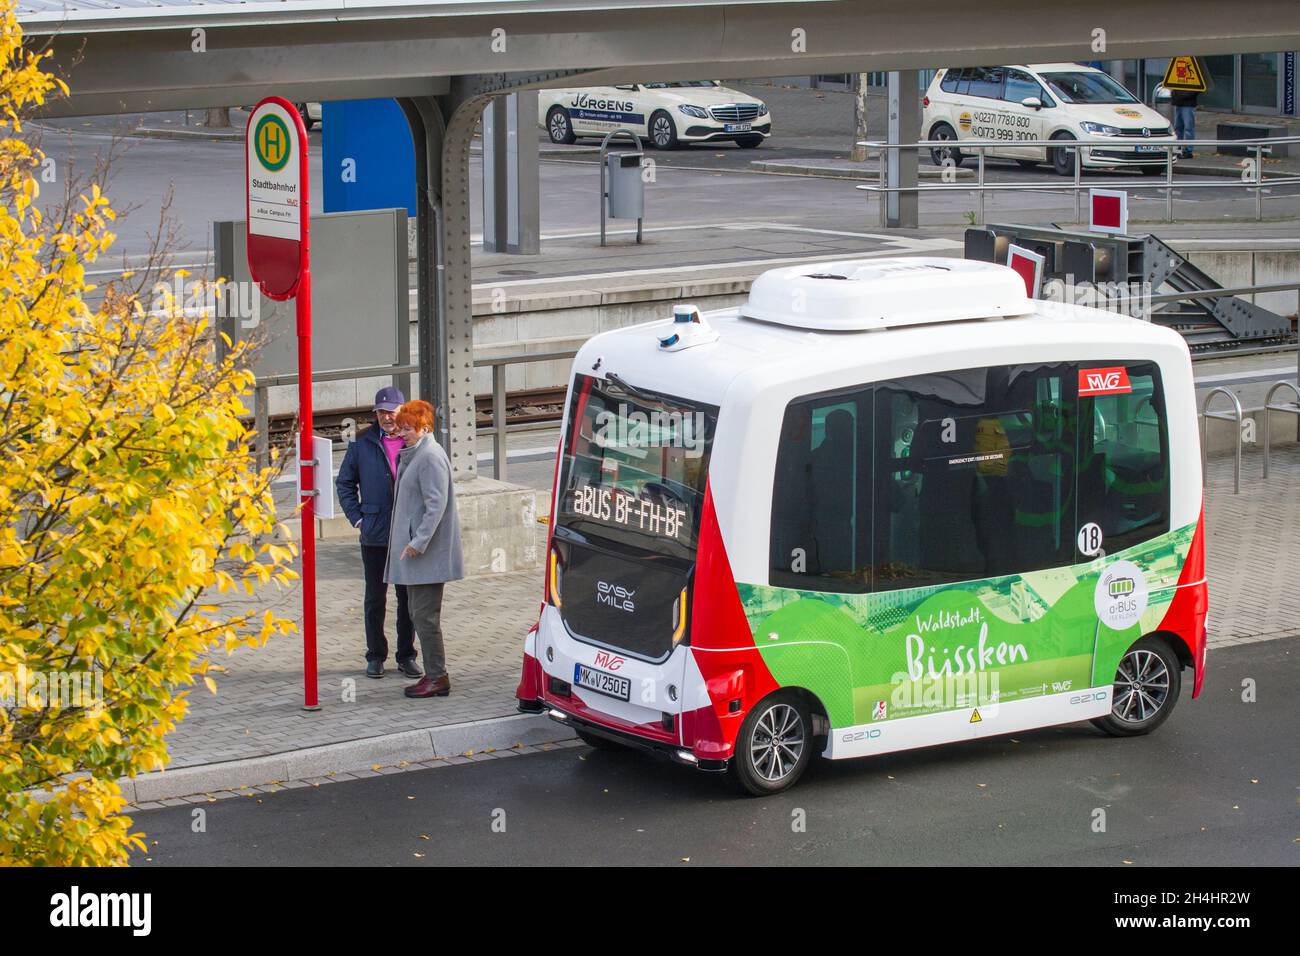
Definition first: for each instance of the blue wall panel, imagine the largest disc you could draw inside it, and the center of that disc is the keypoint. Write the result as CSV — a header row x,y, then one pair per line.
x,y
374,135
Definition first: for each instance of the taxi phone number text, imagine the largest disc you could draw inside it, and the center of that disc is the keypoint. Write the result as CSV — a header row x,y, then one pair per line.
x,y
994,125
628,511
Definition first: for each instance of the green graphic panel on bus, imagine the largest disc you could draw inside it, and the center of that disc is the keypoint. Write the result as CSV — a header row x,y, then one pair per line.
x,y
893,654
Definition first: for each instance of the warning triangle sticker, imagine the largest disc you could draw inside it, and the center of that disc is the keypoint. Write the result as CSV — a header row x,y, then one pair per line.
x,y
975,717
1185,73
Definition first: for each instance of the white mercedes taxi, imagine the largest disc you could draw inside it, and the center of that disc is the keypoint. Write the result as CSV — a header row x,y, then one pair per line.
x,y
667,115
1044,101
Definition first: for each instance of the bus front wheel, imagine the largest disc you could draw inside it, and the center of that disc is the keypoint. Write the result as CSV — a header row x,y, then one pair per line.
x,y
774,745
1147,684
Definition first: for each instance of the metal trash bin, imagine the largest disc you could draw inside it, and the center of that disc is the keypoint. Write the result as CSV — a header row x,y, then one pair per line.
x,y
1162,103
626,187
622,186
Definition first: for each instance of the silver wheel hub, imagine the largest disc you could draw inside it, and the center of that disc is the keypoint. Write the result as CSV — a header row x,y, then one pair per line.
x,y
1141,686
777,742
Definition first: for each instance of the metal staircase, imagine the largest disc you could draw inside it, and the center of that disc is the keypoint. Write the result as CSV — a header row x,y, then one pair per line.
x,y
1145,263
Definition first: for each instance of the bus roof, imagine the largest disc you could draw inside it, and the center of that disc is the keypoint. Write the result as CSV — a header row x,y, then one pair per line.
x,y
764,352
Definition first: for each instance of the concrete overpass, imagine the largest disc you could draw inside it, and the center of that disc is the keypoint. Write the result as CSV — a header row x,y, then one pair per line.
x,y
445,59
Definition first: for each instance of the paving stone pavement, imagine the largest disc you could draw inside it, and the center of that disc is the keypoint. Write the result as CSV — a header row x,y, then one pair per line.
x,y
1253,548
1254,567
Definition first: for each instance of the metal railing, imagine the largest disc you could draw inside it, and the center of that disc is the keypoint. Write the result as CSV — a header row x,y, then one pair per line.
x,y
262,404
498,429
1257,182
1235,416
1291,408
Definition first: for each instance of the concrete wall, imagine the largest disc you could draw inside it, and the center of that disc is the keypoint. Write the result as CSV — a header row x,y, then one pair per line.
x,y
556,321
1240,267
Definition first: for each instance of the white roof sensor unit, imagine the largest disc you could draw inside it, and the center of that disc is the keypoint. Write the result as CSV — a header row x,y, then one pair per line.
x,y
688,329
863,294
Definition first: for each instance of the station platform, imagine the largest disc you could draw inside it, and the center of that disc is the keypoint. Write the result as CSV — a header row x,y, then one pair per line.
x,y
253,731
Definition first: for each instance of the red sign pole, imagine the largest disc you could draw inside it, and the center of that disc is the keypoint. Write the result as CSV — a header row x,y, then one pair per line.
x,y
279,259
305,454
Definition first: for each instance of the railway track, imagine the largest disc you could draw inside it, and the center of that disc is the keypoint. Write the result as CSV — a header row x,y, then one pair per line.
x,y
524,406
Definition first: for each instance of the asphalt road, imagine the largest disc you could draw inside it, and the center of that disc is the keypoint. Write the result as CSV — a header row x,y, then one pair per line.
x,y
692,187
1216,785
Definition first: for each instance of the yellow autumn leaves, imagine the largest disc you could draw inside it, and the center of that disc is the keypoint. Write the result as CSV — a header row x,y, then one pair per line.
x,y
127,490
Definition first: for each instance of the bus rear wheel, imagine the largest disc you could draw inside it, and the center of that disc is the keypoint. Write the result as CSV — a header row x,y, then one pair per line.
x,y
1147,684
774,745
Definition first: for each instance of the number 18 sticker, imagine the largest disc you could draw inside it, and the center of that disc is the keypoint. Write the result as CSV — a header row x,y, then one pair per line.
x,y
1090,539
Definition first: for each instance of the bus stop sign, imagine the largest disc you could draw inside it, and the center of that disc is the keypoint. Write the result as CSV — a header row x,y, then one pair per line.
x,y
276,164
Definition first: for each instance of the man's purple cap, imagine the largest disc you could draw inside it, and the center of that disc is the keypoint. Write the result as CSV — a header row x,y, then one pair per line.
x,y
389,399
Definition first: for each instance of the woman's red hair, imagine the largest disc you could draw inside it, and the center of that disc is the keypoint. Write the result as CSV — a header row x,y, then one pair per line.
x,y
417,413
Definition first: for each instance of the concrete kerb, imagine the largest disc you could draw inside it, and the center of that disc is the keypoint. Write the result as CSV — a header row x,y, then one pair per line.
x,y
220,136
856,171
407,747
824,170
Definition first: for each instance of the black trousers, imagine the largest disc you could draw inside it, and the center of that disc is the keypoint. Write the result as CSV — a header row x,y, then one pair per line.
x,y
376,602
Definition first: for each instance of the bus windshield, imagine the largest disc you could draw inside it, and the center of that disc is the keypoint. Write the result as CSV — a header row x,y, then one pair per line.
x,y
634,467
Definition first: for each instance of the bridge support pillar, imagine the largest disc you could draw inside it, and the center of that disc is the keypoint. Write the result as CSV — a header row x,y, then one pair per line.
x,y
903,164
442,127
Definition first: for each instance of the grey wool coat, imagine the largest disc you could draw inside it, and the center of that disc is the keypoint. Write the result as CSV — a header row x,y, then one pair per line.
x,y
424,516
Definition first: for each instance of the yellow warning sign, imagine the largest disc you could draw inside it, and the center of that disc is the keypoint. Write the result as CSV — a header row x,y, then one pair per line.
x,y
1185,73
975,717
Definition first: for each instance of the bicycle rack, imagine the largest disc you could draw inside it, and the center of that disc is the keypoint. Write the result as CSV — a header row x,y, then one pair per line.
x,y
1291,408
1234,416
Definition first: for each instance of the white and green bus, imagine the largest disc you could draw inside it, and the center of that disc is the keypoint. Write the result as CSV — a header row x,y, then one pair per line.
x,y
881,505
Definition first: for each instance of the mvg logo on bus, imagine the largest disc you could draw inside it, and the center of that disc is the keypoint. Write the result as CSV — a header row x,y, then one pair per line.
x,y
1103,381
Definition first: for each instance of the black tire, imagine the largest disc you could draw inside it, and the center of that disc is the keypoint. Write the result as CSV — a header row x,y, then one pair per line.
x,y
597,741
1153,170
1147,670
306,116
559,126
1063,160
663,131
943,155
766,762
1028,163
749,142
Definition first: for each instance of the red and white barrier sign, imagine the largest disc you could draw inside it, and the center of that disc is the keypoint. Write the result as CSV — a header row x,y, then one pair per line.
x,y
1108,210
1029,265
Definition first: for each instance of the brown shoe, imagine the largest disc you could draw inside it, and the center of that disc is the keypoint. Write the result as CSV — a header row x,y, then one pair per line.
x,y
425,687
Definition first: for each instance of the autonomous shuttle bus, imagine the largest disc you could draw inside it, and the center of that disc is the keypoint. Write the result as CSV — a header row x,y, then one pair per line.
x,y
883,504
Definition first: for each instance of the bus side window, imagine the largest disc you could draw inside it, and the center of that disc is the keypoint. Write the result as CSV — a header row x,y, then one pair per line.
x,y
820,528
1124,461
974,475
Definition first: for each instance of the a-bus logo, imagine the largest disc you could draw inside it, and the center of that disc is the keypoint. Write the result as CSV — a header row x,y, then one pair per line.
x,y
615,596
1103,381
1120,586
610,662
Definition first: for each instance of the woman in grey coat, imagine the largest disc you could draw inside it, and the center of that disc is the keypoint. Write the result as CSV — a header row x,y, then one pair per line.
x,y
424,539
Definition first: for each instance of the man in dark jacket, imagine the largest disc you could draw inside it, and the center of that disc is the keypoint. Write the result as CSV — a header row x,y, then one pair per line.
x,y
365,486
1184,103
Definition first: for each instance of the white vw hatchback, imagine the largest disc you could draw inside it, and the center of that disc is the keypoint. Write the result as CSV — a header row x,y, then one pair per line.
x,y
1045,101
665,114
